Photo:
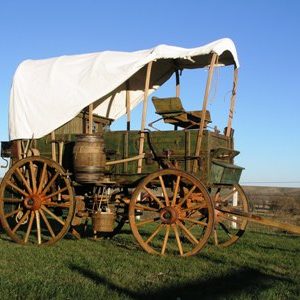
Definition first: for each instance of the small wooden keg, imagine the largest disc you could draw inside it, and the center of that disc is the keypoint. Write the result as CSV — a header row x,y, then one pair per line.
x,y
89,158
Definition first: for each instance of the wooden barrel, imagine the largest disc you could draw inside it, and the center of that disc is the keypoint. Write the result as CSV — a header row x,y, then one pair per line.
x,y
89,158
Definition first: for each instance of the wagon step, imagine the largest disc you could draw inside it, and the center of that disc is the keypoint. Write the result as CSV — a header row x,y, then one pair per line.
x,y
260,220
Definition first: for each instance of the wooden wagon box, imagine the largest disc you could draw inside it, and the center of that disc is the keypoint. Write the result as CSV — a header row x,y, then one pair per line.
x,y
224,173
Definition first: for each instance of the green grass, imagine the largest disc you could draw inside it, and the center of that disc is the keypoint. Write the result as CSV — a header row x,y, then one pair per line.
x,y
262,265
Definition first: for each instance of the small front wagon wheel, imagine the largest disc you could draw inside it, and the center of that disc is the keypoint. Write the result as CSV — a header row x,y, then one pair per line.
x,y
171,212
36,201
228,227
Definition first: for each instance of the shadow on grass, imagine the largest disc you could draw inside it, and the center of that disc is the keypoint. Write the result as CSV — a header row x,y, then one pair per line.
x,y
275,247
273,232
245,281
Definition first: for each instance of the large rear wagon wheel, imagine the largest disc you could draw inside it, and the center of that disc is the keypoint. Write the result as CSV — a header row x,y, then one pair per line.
x,y
36,201
229,228
171,212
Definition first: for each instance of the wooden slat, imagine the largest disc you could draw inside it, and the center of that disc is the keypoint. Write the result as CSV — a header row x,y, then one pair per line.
x,y
143,123
232,102
204,106
53,146
91,118
128,112
177,84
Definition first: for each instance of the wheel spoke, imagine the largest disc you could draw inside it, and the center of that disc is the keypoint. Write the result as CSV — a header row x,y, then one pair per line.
x,y
21,221
225,229
29,227
13,213
164,190
189,235
56,193
147,221
216,237
143,207
187,196
217,195
155,232
33,176
164,246
203,224
47,223
42,178
12,200
176,190
174,227
17,188
223,199
38,226
55,217
153,196
45,190
23,179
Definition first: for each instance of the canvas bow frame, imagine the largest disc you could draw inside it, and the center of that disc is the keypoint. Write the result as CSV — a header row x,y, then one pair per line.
x,y
213,63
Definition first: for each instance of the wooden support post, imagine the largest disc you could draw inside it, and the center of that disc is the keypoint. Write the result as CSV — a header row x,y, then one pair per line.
x,y
126,149
60,152
128,113
128,105
90,118
19,149
232,103
143,123
203,114
177,84
53,145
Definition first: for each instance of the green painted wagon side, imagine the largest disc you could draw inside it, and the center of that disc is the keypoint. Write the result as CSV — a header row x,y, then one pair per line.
x,y
175,147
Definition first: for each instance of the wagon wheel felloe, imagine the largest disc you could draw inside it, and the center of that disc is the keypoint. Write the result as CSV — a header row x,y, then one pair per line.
x,y
36,201
229,228
164,220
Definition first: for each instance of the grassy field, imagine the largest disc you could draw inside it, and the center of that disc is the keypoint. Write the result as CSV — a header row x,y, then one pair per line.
x,y
263,265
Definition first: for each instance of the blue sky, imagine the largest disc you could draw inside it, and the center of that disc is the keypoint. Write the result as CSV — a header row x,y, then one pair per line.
x,y
266,34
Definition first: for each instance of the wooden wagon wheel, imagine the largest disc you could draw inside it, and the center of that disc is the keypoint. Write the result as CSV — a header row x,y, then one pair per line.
x,y
228,228
36,201
163,218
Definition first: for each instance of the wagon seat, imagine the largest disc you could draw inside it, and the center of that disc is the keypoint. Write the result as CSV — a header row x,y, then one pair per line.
x,y
172,112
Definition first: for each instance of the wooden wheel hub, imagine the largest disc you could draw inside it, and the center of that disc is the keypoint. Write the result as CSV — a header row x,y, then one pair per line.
x,y
168,215
33,202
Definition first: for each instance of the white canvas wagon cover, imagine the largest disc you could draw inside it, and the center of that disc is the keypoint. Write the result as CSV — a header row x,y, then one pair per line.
x,y
48,93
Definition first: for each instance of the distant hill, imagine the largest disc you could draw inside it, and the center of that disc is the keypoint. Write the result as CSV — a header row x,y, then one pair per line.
x,y
279,202
260,193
